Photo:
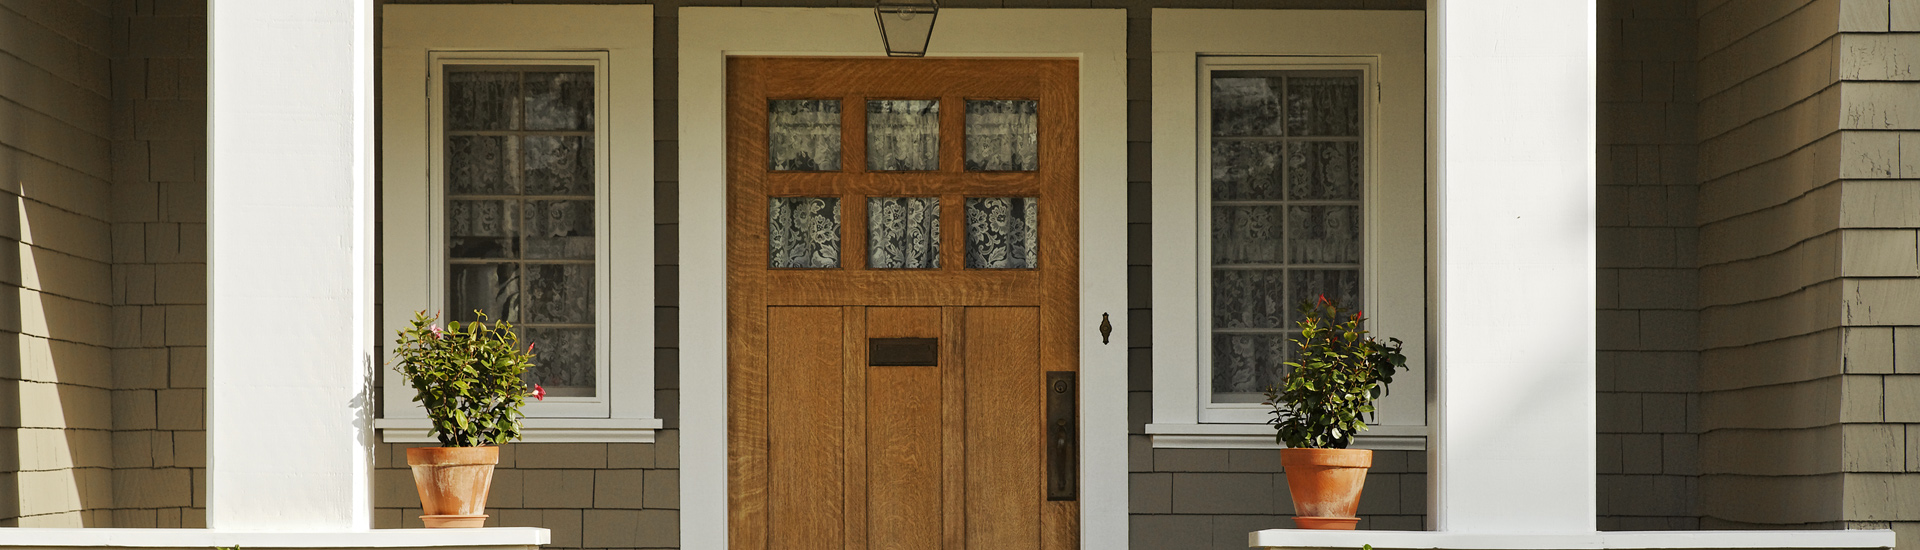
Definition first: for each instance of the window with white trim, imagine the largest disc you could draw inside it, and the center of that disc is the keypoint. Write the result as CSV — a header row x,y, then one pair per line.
x,y
518,187
1280,178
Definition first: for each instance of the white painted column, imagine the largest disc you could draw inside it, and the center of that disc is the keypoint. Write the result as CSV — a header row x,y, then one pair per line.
x,y
1514,450
290,256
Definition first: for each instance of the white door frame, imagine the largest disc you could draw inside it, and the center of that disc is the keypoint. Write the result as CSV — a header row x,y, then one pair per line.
x,y
1096,37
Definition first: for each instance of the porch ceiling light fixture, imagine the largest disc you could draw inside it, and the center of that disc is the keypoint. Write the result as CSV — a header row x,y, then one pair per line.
x,y
906,25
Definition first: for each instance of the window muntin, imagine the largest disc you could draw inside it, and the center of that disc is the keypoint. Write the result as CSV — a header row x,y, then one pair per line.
x,y
1284,208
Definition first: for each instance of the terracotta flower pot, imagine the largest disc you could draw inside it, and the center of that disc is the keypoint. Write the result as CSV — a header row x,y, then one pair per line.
x,y
1325,484
453,483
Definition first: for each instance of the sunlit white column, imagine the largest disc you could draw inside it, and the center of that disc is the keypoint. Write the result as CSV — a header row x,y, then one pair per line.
x,y
1514,450
290,255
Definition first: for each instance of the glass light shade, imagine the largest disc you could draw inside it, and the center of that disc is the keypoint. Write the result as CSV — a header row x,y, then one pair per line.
x,y
906,25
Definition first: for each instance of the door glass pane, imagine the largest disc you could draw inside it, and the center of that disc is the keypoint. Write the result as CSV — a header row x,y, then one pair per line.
x,y
1003,135
520,212
1286,214
1003,232
803,232
803,134
903,134
903,232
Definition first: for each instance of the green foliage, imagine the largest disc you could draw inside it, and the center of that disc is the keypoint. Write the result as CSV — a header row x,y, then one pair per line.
x,y
468,377
1339,371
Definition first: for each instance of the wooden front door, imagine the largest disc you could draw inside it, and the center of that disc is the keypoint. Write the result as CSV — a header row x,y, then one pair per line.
x,y
902,276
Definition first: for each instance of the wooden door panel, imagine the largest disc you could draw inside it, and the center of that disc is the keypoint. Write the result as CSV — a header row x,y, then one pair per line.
x,y
827,451
805,426
1004,467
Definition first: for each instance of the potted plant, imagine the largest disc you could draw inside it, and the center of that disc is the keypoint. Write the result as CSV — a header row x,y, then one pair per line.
x,y
468,376
1326,398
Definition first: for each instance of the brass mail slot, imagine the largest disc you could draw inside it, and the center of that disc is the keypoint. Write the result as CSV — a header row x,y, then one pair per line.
x,y
903,352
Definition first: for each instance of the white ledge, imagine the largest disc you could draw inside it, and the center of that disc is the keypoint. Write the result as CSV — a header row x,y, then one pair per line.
x,y
500,538
1598,540
535,430
1260,436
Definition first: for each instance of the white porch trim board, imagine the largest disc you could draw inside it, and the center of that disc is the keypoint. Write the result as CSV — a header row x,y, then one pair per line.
x,y
490,538
290,348
1096,37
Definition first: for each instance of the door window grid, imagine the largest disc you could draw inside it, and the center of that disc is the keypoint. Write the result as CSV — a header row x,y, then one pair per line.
x,y
1285,210
521,208
903,135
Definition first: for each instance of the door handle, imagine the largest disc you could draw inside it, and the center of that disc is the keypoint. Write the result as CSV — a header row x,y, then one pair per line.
x,y
1063,438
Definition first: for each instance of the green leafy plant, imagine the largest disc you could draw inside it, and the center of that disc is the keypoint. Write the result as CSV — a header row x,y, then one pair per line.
x,y
468,376
1327,396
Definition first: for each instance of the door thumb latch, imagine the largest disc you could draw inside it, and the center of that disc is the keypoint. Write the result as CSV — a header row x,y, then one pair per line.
x,y
1106,329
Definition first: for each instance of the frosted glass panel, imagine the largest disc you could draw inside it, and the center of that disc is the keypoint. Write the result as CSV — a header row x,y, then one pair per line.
x,y
478,100
903,134
1323,106
559,101
1003,135
563,360
1246,106
1248,364
1003,232
1323,170
803,232
903,232
1247,234
803,134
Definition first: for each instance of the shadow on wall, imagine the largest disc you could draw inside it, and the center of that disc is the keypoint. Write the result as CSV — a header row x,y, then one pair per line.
x,y
55,444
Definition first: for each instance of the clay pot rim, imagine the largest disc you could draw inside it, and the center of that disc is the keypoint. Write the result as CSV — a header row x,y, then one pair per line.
x,y
451,456
1326,458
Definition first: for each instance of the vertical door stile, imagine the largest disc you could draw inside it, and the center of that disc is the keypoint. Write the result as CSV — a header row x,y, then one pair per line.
x,y
747,437
1060,266
953,425
854,373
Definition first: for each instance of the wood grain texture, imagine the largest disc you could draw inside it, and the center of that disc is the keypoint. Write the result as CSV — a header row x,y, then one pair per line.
x,y
1005,472
903,457
806,480
854,390
897,457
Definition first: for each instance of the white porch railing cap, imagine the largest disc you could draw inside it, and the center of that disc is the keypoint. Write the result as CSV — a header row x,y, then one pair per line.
x,y
1597,540
106,537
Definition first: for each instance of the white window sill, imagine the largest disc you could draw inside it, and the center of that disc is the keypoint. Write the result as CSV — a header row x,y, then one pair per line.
x,y
1260,436
489,538
535,430
1596,540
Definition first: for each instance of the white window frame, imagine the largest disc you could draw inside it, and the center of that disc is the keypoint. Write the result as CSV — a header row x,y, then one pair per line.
x,y
1388,49
616,41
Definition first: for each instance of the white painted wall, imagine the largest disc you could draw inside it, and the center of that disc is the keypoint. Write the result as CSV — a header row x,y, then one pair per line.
x,y
1514,422
290,270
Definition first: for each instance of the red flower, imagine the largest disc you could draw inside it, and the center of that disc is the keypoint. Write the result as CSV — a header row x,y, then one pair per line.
x,y
436,331
530,346
539,393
